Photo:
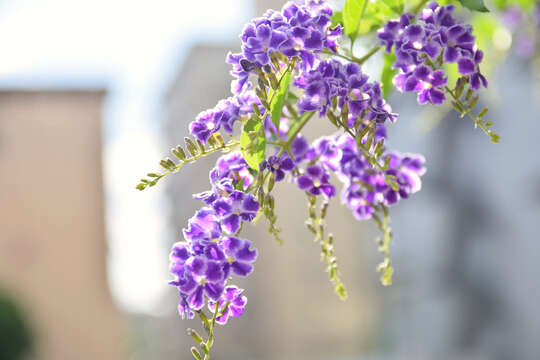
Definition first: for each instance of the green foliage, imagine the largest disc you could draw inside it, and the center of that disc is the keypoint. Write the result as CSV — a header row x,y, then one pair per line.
x,y
474,5
377,13
278,98
15,335
195,149
526,5
253,142
337,18
385,267
388,74
352,16
484,27
316,224
465,102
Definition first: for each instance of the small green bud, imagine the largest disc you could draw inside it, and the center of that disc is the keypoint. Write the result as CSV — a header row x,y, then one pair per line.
x,y
473,102
211,142
483,112
273,80
200,146
170,162
219,139
324,208
204,348
196,354
195,335
166,163
190,146
261,76
260,195
345,114
457,107
205,322
469,94
256,109
332,117
495,137
310,227
271,182
275,62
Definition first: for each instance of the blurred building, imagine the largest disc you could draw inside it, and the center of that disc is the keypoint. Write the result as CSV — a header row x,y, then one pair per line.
x,y
52,243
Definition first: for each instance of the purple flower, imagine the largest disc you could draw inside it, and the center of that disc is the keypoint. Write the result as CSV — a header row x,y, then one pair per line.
x,y
224,114
278,165
421,48
391,31
235,208
196,275
205,277
299,30
239,255
299,148
325,151
360,200
232,166
427,83
316,181
203,226
236,303
407,169
346,84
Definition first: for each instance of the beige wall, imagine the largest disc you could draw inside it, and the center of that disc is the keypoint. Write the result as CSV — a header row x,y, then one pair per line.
x,y
52,243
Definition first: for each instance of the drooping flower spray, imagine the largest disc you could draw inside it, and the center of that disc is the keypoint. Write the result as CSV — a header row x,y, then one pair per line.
x,y
292,71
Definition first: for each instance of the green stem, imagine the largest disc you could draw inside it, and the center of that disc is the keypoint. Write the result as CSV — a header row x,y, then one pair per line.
x,y
370,53
355,59
225,147
476,119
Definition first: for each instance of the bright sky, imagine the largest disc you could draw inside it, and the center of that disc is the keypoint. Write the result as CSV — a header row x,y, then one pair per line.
x,y
134,48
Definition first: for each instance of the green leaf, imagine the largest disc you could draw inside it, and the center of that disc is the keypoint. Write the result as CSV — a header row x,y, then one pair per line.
x,y
396,6
474,5
375,15
337,18
278,99
352,15
388,73
253,142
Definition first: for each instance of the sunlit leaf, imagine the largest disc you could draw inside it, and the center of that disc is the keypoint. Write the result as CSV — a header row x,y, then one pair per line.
x,y
353,12
388,73
253,142
278,100
475,5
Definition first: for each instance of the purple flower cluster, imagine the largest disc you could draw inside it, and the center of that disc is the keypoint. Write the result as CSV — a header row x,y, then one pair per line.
x,y
278,166
223,115
364,186
349,86
298,30
201,265
422,48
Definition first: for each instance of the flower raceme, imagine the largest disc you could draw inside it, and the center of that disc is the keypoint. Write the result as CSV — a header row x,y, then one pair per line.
x,y
422,48
297,31
286,74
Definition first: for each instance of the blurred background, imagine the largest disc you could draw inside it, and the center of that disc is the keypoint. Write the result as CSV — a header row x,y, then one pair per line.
x,y
93,94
